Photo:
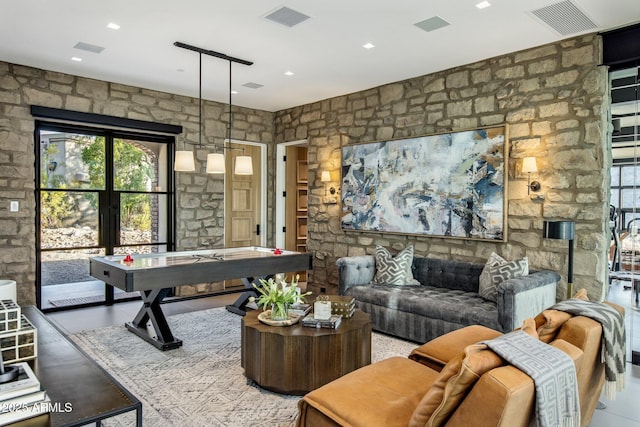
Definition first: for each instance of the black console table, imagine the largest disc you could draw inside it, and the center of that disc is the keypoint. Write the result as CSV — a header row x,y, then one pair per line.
x,y
71,378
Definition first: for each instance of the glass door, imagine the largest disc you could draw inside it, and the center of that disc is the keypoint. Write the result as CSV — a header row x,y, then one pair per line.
x,y
99,193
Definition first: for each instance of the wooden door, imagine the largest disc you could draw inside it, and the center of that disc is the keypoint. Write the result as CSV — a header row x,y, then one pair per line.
x,y
243,202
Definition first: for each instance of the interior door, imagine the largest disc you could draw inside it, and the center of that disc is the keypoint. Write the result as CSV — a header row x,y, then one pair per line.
x,y
243,199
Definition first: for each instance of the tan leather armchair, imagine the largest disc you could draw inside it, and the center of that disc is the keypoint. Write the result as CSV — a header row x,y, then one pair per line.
x,y
396,391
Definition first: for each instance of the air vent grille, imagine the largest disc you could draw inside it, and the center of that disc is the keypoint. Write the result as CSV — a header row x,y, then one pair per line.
x,y
88,47
287,17
565,18
432,24
252,85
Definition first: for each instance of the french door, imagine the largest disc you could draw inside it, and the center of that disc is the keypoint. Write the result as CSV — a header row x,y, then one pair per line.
x,y
98,193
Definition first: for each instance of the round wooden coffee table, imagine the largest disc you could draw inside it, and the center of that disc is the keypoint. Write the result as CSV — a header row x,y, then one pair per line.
x,y
297,359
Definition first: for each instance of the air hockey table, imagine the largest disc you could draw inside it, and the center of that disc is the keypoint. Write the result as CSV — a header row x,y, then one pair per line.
x,y
154,275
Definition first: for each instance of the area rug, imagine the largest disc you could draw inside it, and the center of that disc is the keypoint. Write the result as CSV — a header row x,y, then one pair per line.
x,y
202,382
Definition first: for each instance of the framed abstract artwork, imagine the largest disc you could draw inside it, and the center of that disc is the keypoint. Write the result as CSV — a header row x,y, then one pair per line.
x,y
444,185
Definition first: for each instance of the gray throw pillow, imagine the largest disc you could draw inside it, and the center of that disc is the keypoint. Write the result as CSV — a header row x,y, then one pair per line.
x,y
486,288
394,270
509,270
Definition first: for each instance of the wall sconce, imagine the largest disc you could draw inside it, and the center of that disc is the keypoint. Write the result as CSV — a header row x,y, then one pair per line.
x,y
326,177
529,166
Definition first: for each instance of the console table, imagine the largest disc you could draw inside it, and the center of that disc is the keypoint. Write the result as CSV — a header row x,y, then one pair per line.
x,y
70,377
297,359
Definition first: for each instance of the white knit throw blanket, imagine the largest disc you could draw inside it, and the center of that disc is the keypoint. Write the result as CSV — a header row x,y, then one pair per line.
x,y
614,342
553,374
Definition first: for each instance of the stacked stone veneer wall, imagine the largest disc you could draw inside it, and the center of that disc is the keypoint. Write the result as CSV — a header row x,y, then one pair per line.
x,y
199,197
554,99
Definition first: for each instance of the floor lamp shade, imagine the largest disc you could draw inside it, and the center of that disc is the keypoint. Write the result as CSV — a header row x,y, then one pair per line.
x,y
563,230
184,161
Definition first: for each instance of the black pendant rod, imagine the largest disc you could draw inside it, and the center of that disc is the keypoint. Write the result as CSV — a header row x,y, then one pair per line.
x,y
200,102
212,53
229,137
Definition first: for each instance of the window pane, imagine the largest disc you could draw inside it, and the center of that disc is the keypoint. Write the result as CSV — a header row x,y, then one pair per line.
x,y
139,165
615,198
631,198
615,176
630,175
68,219
132,250
71,160
67,266
143,218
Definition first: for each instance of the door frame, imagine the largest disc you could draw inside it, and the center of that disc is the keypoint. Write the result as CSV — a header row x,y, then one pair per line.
x,y
281,183
263,186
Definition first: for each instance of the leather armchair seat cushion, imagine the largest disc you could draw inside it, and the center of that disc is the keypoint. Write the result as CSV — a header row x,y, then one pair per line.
x,y
439,351
394,387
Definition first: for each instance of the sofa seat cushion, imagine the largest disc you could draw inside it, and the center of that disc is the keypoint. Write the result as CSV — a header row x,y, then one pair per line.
x,y
449,305
394,387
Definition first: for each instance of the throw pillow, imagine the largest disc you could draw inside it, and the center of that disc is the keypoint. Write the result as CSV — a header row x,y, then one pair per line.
x,y
509,270
486,288
394,270
452,385
549,323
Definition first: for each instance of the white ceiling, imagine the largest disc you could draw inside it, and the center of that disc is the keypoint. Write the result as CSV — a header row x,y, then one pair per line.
x,y
325,52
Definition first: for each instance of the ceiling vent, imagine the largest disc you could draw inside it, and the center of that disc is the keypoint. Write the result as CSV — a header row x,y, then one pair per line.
x,y
565,18
252,85
88,47
432,24
287,17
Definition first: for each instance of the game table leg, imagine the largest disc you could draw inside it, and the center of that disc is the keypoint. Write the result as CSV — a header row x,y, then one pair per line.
x,y
151,312
240,304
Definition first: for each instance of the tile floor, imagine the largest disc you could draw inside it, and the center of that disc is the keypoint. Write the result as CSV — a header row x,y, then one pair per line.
x,y
622,412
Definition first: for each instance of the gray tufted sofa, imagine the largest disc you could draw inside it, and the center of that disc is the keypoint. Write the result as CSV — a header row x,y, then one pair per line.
x,y
447,298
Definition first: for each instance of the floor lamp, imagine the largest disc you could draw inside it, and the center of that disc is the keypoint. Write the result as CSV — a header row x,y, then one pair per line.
x,y
563,230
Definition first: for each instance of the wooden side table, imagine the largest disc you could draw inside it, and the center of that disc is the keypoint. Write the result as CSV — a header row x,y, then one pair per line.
x,y
297,359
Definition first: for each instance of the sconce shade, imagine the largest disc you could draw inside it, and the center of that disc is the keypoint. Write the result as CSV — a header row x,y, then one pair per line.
x,y
529,165
326,176
184,162
244,166
215,163
562,230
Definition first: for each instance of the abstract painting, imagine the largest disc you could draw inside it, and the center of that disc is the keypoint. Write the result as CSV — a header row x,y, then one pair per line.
x,y
445,185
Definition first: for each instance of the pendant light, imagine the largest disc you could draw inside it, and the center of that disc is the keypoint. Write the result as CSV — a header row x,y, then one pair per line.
x,y
215,161
184,161
244,164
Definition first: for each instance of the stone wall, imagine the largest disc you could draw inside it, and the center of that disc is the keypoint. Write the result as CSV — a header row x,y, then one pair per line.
x,y
554,99
199,197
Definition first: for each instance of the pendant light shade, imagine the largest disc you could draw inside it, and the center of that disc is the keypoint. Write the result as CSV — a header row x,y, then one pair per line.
x,y
184,161
215,163
244,166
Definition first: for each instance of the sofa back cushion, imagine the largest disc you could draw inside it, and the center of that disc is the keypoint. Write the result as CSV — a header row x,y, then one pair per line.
x,y
448,274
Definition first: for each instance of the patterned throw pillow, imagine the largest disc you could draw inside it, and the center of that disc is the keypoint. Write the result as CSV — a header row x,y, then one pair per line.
x,y
486,288
509,270
394,270
498,270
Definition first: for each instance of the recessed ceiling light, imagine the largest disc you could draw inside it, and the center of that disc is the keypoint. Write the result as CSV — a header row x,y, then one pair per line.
x,y
113,26
235,92
368,46
483,4
289,73
75,58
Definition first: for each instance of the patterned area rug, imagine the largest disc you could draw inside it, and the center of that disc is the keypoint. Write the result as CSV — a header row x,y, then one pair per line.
x,y
202,382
